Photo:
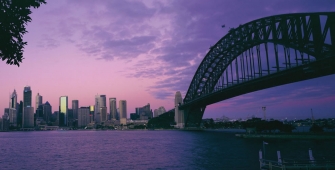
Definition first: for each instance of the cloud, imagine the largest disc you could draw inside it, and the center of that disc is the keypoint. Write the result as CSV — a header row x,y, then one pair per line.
x,y
166,39
48,42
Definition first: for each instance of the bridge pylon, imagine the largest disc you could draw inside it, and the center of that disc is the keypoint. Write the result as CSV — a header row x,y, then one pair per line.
x,y
179,117
189,117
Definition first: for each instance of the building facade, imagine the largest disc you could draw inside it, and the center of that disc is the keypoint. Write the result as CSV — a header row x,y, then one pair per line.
x,y
47,112
103,113
75,106
112,108
28,117
100,101
13,100
91,114
27,103
83,116
38,100
63,111
123,108
27,96
161,110
145,112
13,109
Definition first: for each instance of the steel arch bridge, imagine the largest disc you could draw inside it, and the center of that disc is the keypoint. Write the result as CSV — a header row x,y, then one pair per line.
x,y
260,54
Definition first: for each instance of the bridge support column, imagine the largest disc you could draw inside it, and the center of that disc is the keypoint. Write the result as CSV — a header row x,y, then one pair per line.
x,y
189,117
179,117
193,116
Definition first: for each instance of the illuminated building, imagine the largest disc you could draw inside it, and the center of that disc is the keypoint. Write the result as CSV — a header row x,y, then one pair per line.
x,y
63,111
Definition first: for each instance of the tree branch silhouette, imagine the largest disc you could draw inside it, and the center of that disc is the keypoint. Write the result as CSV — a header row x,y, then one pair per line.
x,y
14,15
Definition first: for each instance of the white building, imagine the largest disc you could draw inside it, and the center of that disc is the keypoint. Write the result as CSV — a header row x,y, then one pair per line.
x,y
179,114
38,100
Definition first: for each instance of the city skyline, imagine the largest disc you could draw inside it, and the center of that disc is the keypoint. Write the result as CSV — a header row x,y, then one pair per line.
x,y
145,51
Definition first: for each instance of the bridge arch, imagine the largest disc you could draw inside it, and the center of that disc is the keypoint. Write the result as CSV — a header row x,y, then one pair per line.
x,y
311,34
307,41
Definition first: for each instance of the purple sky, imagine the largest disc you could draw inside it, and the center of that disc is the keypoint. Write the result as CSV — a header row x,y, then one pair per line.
x,y
145,51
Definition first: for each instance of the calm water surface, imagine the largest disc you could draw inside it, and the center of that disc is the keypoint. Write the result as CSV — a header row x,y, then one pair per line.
x,y
146,150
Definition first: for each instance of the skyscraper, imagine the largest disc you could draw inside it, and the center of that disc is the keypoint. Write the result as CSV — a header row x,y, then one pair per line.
x,y
27,96
123,108
13,108
100,101
28,117
13,100
27,105
112,108
83,116
47,112
63,111
103,113
75,106
123,111
20,114
91,114
38,101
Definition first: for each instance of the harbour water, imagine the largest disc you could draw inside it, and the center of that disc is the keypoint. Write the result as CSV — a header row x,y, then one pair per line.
x,y
149,149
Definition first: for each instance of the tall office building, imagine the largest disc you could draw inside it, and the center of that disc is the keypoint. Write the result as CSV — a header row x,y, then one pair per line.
x,y
179,114
13,109
123,108
38,100
27,96
75,106
13,100
63,111
27,105
20,114
83,116
91,114
100,101
28,117
112,108
47,112
103,114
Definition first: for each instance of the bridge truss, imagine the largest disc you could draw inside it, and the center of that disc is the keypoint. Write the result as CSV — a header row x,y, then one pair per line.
x,y
264,53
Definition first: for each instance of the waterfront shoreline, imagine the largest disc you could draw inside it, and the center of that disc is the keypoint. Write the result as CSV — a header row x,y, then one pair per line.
x,y
288,136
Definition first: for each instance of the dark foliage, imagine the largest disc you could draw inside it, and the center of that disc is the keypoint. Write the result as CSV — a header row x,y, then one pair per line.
x,y
287,128
267,126
316,128
163,121
14,15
